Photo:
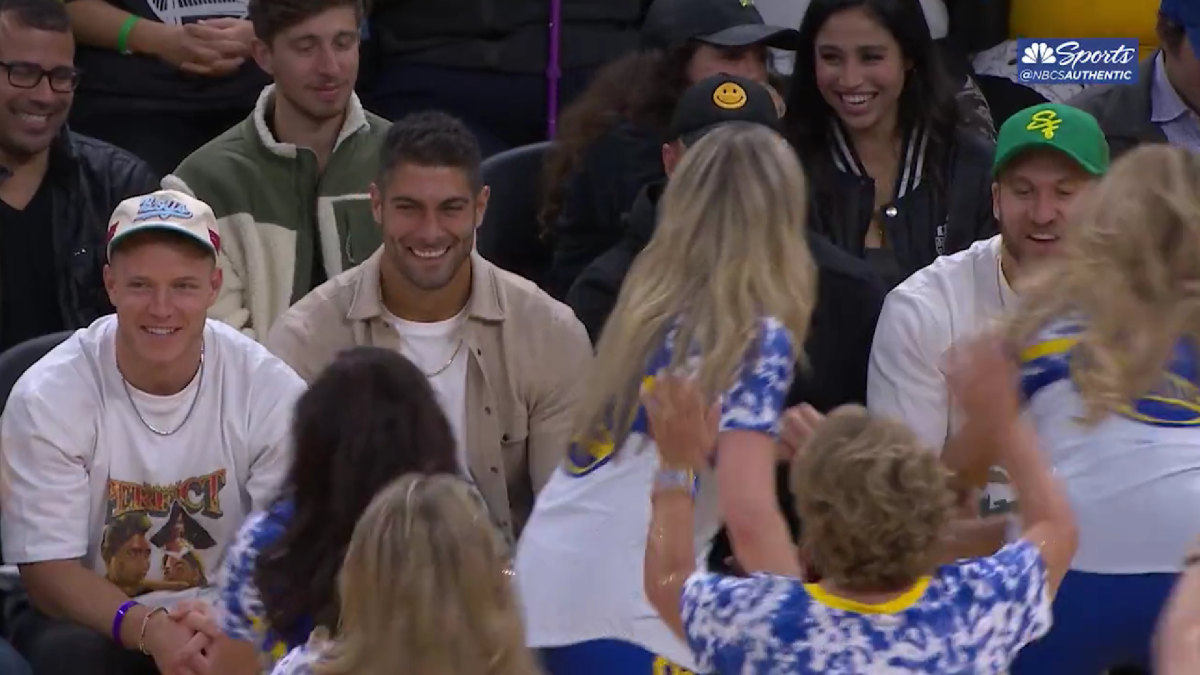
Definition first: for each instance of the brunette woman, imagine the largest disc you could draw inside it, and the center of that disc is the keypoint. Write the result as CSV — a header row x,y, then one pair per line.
x,y
897,178
368,419
611,139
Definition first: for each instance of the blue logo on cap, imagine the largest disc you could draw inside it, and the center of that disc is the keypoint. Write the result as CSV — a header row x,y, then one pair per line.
x,y
157,208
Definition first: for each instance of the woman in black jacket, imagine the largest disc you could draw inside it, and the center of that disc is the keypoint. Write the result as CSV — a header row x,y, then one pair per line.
x,y
896,178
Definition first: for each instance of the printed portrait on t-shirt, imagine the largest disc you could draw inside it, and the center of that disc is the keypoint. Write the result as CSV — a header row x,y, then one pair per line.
x,y
155,538
126,552
178,539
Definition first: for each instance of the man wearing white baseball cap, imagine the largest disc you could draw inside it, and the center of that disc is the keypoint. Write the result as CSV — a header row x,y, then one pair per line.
x,y
131,453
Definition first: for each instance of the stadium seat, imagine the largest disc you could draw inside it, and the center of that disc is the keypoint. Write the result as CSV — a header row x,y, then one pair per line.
x,y
510,234
15,361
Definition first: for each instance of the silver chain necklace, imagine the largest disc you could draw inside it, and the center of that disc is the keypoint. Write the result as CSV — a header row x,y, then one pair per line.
x,y
192,409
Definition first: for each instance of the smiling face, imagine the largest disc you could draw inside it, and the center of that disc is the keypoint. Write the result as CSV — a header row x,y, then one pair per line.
x,y
428,215
859,69
729,96
1032,198
161,286
315,62
31,118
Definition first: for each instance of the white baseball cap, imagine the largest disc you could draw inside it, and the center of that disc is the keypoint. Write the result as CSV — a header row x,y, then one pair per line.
x,y
165,210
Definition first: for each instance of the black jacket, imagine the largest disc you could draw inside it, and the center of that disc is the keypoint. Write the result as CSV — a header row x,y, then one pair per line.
x,y
506,35
925,220
598,198
1123,111
87,179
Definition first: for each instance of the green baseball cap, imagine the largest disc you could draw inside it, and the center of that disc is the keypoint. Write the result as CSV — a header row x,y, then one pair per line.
x,y
1069,130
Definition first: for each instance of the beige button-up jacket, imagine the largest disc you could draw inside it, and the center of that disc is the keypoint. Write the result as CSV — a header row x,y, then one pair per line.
x,y
527,353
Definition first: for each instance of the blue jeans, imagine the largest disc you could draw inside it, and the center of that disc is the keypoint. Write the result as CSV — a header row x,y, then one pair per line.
x,y
1101,622
11,662
606,657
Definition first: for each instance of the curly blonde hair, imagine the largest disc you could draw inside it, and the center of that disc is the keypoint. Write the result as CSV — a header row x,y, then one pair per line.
x,y
1130,270
874,502
425,588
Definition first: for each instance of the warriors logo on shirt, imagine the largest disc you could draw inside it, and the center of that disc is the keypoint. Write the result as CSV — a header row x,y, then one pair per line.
x,y
155,527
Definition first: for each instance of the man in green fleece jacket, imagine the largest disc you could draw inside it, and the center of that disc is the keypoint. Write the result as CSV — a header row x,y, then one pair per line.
x,y
290,184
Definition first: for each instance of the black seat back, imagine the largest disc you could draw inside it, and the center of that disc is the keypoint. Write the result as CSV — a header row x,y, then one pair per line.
x,y
510,234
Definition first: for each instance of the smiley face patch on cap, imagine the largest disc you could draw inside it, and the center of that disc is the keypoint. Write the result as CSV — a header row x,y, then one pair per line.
x,y
729,96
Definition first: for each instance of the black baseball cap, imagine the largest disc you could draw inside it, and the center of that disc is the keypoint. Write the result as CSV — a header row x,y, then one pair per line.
x,y
721,23
718,100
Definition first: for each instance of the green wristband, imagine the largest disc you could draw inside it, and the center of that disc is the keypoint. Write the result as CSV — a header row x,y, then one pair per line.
x,y
123,34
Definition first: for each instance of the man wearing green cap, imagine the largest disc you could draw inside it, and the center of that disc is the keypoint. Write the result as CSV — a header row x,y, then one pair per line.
x,y
1047,156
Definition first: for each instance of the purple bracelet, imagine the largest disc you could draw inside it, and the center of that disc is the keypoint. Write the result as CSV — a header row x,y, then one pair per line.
x,y
119,618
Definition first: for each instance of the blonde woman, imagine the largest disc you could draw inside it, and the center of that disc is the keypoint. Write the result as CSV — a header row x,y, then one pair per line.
x,y
1109,337
424,589
876,505
724,291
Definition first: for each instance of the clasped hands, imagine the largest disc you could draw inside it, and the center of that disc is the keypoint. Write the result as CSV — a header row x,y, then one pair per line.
x,y
213,47
181,641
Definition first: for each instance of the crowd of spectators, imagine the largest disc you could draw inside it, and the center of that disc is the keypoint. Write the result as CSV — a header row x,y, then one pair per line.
x,y
301,412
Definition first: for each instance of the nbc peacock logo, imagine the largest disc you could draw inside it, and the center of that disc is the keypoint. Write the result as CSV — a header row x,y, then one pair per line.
x,y
1038,53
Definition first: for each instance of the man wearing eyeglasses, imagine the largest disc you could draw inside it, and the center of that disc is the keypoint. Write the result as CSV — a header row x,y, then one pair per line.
x,y
56,188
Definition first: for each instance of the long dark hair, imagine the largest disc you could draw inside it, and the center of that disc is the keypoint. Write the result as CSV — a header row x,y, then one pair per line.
x,y
369,418
642,88
928,96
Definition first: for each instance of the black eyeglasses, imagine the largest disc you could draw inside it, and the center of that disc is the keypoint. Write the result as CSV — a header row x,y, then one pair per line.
x,y
24,75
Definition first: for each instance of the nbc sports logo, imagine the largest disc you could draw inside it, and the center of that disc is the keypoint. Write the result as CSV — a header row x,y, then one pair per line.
x,y
1038,52
1076,61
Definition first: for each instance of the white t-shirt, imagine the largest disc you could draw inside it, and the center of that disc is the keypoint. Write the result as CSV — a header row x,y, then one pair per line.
x,y
580,559
83,478
438,348
956,297
1133,479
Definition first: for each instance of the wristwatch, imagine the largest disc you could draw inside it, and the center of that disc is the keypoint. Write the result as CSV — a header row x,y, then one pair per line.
x,y
684,480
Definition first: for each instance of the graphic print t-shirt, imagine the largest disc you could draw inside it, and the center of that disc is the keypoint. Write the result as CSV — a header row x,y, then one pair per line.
x,y
970,618
579,561
84,478
145,83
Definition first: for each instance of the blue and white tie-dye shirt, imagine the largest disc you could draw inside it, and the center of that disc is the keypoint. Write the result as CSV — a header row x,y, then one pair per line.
x,y
240,605
299,661
969,618
583,547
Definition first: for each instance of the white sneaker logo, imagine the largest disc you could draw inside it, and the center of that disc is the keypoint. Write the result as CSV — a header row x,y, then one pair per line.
x,y
1038,52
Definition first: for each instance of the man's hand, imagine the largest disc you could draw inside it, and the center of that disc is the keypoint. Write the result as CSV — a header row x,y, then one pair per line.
x,y
200,49
198,616
225,29
177,649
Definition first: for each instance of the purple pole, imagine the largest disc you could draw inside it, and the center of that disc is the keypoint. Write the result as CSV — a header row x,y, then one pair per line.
x,y
553,73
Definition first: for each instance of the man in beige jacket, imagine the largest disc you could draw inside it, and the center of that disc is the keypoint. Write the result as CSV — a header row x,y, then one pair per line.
x,y
504,357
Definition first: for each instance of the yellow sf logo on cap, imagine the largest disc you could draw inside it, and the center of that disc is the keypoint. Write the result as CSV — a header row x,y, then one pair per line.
x,y
729,96
1045,121
747,3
